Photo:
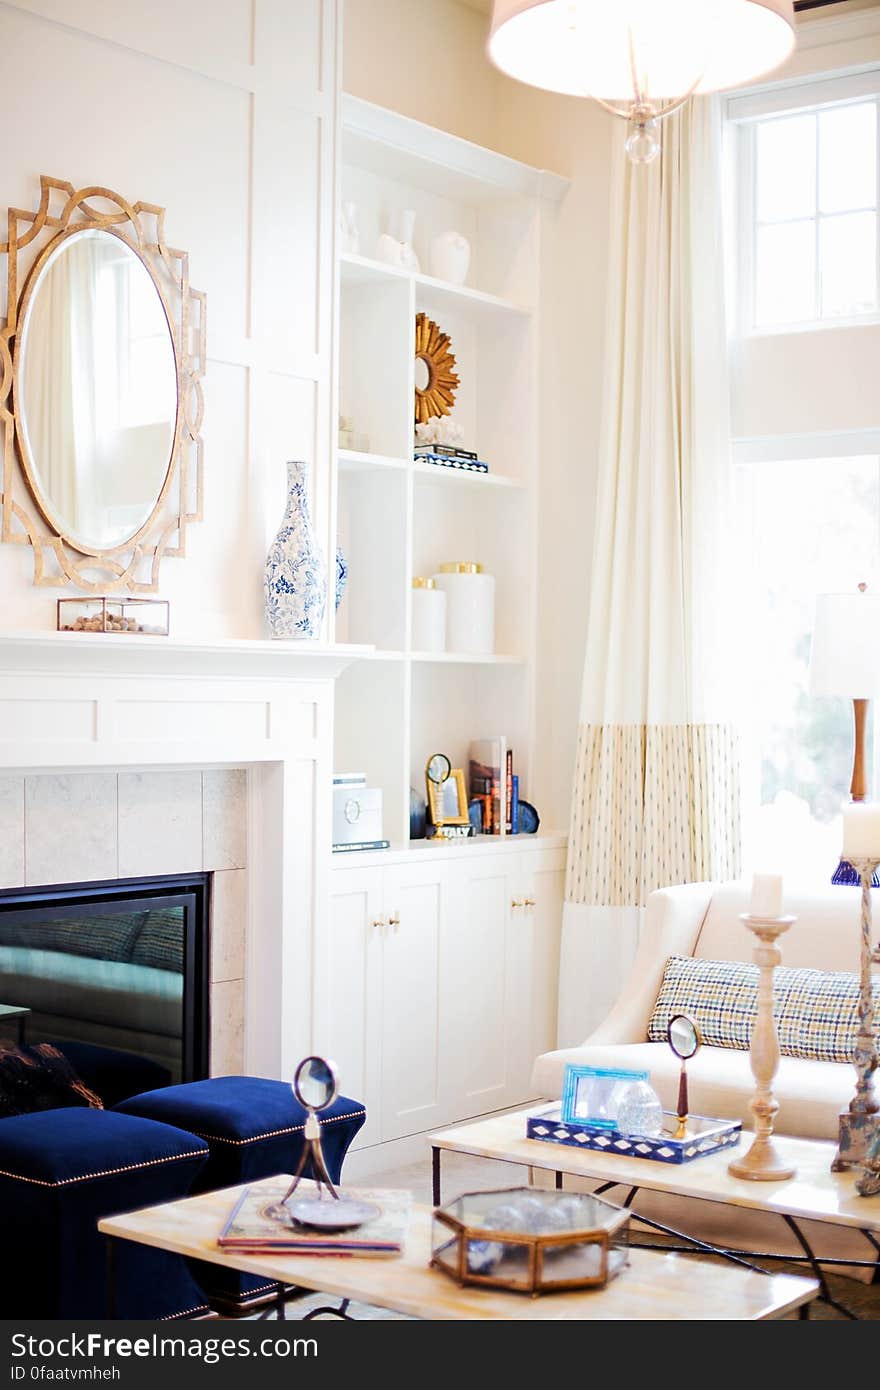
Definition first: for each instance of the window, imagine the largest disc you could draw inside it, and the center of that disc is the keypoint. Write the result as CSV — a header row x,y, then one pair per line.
x,y
808,215
813,525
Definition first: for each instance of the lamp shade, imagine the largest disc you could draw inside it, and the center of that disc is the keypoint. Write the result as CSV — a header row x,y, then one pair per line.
x,y
665,48
845,652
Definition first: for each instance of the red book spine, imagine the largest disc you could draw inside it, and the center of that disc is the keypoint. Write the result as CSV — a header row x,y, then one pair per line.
x,y
509,779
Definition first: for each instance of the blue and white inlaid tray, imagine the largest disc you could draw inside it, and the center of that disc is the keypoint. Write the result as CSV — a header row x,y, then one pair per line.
x,y
704,1136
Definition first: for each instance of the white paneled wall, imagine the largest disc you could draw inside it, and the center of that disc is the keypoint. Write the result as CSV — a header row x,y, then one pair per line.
x,y
223,113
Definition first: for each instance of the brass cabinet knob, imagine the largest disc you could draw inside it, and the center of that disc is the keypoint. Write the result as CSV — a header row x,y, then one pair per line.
x,y
529,902
394,921
515,902
379,922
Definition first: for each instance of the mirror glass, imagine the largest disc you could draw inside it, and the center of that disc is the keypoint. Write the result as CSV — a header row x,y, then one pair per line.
x,y
439,767
683,1035
97,383
314,1083
423,375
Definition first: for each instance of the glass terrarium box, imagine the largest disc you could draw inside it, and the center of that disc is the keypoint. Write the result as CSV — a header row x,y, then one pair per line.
x,y
530,1241
143,616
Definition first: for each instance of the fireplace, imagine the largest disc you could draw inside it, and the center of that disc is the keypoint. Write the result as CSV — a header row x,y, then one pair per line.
x,y
116,974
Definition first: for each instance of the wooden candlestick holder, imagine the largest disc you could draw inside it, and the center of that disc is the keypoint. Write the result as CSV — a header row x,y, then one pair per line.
x,y
763,1162
859,1123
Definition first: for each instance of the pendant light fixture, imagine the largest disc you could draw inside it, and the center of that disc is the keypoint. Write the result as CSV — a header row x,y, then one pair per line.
x,y
640,59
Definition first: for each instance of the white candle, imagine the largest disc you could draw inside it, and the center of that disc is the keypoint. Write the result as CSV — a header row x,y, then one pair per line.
x,y
861,831
766,895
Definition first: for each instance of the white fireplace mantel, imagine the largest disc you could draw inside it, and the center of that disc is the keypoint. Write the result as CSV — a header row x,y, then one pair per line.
x,y
80,702
83,700
123,654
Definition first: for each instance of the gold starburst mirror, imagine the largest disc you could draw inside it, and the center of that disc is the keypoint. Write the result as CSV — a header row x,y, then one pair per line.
x,y
436,382
102,357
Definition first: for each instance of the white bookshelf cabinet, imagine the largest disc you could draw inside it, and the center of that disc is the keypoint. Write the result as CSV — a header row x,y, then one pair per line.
x,y
440,981
442,1014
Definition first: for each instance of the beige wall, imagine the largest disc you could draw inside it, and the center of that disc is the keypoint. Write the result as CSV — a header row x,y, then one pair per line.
x,y
224,114
426,59
423,58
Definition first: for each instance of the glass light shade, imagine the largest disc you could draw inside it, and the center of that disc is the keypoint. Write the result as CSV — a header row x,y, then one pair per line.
x,y
667,48
845,651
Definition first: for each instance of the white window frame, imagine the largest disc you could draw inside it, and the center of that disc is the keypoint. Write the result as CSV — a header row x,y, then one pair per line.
x,y
743,113
765,451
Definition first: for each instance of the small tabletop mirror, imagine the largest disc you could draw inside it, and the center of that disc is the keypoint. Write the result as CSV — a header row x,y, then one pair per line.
x,y
438,768
683,1037
315,1083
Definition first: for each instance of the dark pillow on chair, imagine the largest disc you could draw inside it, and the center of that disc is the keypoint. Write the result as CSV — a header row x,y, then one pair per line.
x,y
40,1078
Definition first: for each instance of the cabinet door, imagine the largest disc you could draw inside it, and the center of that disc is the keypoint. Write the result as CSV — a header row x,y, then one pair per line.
x,y
351,963
414,1042
534,963
480,939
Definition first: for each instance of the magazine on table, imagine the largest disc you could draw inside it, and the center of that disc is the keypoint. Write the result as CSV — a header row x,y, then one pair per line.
x,y
259,1223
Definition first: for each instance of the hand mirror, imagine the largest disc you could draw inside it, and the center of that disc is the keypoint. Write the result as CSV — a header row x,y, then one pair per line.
x,y
316,1085
684,1039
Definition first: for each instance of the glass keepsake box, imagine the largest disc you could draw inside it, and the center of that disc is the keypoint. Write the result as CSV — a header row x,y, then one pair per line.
x,y
143,616
530,1241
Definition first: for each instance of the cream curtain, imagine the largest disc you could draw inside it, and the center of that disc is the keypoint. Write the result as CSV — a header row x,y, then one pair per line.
x,y
656,797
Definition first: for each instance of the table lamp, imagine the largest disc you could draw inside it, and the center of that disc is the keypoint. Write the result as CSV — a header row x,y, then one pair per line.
x,y
845,662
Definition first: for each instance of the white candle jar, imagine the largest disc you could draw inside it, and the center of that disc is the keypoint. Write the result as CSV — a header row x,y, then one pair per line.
x,y
428,616
470,607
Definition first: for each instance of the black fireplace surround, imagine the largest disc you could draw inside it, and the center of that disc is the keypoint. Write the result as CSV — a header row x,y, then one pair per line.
x,y
115,974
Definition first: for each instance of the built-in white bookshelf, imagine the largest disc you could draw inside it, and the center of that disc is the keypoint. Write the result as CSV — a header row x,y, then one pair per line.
x,y
396,517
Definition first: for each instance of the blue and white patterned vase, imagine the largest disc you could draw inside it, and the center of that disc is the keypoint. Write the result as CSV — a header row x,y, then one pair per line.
x,y
341,574
295,581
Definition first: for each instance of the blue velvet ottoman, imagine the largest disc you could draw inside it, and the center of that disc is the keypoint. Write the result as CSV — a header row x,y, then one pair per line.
x,y
254,1129
61,1171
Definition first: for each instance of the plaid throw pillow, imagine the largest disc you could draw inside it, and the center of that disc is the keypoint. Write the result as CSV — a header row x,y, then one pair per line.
x,y
816,1011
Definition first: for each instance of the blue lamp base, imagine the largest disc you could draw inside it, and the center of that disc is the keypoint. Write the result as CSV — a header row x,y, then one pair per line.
x,y
846,874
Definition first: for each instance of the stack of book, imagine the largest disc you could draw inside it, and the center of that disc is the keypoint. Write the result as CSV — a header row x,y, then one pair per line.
x,y
448,456
260,1224
493,783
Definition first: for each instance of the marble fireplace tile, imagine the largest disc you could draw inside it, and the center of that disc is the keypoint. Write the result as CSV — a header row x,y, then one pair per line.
x,y
228,918
224,819
70,827
227,1028
11,832
160,823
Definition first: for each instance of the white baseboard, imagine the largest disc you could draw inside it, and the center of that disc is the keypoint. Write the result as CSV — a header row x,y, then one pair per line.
x,y
363,1163
396,1153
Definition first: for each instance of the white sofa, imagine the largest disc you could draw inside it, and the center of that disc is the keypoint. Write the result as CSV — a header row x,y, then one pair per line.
x,y
702,919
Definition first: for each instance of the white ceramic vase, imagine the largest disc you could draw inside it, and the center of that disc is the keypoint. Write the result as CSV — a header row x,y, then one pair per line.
x,y
295,579
399,251
451,257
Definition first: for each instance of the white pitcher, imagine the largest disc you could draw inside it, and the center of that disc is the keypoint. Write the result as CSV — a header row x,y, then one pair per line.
x,y
451,257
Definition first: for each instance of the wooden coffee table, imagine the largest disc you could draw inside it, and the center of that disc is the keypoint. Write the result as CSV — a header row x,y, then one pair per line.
x,y
814,1194
656,1285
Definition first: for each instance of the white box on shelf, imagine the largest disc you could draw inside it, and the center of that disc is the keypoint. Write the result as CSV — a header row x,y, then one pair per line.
x,y
357,814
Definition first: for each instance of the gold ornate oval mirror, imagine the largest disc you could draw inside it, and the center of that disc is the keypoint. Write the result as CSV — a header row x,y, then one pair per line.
x,y
102,356
436,382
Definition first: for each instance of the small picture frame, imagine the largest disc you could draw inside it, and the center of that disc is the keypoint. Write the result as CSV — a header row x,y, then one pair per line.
x,y
447,800
592,1095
